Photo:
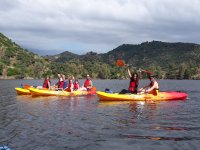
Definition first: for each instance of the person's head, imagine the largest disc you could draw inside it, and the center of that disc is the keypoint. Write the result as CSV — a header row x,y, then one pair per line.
x,y
134,76
47,78
59,75
76,81
151,77
70,81
88,76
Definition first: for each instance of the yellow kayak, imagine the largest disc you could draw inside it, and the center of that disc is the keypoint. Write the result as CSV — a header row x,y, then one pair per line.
x,y
47,92
22,91
162,96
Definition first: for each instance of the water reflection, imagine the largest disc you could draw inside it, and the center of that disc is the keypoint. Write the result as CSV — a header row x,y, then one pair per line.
x,y
161,137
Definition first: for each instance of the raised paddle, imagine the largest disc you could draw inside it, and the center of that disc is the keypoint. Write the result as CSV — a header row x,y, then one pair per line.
x,y
121,63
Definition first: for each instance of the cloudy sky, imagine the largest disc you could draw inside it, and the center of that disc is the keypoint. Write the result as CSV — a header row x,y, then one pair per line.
x,y
79,26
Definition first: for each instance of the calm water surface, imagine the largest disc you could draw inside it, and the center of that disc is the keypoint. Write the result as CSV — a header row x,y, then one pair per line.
x,y
64,123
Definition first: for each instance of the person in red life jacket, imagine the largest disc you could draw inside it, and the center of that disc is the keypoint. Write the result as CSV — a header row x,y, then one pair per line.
x,y
76,85
152,88
88,83
47,83
60,82
70,86
134,82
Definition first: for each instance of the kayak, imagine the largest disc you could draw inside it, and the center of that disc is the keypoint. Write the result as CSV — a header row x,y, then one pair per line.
x,y
162,96
22,91
47,92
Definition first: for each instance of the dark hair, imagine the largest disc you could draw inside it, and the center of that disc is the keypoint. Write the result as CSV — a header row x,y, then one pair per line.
x,y
137,76
150,76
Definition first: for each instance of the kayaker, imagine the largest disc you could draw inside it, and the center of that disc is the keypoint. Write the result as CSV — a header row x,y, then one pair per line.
x,y
60,82
65,82
70,86
76,85
152,88
88,83
133,84
47,83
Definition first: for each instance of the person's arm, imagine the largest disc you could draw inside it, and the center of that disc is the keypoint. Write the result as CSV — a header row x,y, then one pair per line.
x,y
144,87
49,85
78,86
72,87
91,84
150,89
129,73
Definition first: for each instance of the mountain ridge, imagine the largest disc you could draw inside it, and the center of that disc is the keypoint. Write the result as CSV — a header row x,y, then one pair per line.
x,y
176,60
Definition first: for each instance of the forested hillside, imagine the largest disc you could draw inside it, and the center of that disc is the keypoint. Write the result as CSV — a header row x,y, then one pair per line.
x,y
16,62
166,60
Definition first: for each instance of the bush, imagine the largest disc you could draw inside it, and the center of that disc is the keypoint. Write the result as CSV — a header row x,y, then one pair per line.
x,y
12,71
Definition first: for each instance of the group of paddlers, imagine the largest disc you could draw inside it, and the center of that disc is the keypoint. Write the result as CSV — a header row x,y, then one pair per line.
x,y
70,84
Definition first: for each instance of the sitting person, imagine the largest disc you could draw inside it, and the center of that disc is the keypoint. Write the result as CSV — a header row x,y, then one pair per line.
x,y
76,85
47,83
70,86
65,82
88,83
60,82
133,84
152,88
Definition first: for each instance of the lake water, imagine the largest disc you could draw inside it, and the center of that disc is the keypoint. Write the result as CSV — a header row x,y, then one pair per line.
x,y
74,123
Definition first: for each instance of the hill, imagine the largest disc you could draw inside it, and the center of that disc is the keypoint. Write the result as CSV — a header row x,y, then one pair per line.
x,y
166,60
157,53
62,57
16,62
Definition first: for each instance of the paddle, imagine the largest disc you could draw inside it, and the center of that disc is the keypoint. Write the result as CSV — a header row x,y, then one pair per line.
x,y
26,86
121,63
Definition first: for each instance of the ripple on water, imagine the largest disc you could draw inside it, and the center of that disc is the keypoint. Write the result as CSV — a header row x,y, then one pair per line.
x,y
85,123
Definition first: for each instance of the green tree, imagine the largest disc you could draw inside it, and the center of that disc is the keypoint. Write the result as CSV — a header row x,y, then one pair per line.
x,y
12,71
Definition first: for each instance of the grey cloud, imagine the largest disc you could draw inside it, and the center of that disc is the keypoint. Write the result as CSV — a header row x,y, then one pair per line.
x,y
98,24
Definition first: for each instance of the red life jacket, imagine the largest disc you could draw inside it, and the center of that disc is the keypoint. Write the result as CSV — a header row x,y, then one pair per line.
x,y
87,83
61,84
76,86
133,86
45,84
70,85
